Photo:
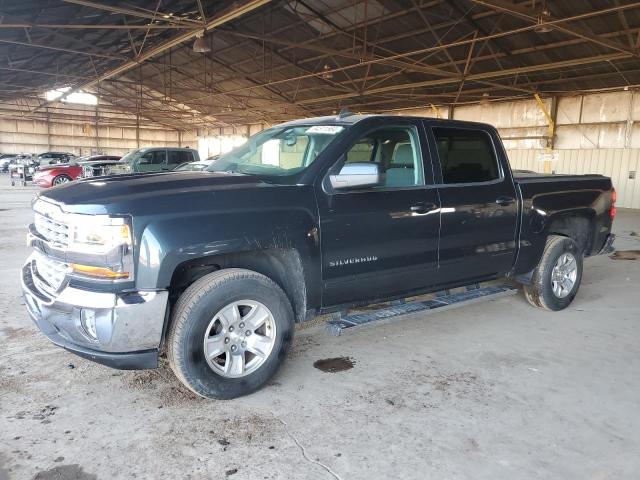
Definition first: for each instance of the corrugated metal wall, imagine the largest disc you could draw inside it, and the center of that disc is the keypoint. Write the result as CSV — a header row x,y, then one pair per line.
x,y
32,136
621,164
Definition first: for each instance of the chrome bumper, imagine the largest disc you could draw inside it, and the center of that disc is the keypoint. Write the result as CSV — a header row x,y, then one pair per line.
x,y
128,325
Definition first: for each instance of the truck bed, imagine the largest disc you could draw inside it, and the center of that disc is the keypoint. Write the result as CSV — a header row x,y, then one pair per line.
x,y
534,177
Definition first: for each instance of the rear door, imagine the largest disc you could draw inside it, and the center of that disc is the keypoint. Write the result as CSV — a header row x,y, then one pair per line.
x,y
175,158
478,204
381,241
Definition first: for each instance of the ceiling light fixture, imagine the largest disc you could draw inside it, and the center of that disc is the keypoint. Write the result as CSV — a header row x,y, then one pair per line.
x,y
327,73
542,26
485,99
200,45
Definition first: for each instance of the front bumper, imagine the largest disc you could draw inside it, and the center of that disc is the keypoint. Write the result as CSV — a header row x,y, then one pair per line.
x,y
43,182
128,325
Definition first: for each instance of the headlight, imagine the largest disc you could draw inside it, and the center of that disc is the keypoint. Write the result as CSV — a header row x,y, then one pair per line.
x,y
101,247
100,238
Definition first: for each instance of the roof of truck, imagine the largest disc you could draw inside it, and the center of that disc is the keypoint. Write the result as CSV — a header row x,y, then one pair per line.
x,y
351,119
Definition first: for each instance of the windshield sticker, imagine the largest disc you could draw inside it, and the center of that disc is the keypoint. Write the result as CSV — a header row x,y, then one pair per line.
x,y
325,129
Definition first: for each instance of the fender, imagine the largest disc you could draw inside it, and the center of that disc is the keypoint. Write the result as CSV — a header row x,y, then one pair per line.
x,y
166,243
578,214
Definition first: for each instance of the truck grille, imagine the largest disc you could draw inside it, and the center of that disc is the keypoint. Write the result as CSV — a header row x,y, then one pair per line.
x,y
48,274
53,231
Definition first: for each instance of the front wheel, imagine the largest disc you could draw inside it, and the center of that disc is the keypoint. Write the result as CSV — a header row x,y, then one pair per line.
x,y
229,333
60,179
557,277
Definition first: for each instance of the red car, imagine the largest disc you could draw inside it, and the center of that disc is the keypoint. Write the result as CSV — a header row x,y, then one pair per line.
x,y
52,175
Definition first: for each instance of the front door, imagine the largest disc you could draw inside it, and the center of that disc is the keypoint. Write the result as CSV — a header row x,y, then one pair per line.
x,y
381,241
479,209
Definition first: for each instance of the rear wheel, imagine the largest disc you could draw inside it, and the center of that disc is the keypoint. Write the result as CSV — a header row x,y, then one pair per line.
x,y
557,277
230,332
60,179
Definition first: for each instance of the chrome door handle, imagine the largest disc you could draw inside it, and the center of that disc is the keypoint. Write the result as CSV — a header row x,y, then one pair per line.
x,y
423,207
505,201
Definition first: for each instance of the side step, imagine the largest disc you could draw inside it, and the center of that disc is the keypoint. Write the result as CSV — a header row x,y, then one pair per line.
x,y
442,301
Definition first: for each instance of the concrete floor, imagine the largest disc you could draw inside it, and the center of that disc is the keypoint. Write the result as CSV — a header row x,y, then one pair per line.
x,y
493,390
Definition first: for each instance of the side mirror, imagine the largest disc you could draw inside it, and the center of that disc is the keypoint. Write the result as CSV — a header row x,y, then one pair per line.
x,y
357,175
291,140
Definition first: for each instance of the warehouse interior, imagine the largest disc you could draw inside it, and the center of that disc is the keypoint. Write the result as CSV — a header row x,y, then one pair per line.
x,y
491,389
559,79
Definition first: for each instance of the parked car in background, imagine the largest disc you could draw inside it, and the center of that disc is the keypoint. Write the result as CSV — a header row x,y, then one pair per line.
x,y
99,165
52,175
13,159
156,159
5,159
193,166
22,159
52,158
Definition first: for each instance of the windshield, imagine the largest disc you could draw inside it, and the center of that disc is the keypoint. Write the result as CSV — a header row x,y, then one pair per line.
x,y
132,155
278,151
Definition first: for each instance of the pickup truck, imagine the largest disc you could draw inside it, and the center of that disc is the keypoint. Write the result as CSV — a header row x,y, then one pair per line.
x,y
308,217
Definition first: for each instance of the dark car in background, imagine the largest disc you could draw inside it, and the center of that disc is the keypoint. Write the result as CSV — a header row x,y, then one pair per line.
x,y
193,166
156,159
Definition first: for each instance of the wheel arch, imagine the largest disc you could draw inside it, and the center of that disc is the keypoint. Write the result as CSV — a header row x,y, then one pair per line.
x,y
578,225
282,265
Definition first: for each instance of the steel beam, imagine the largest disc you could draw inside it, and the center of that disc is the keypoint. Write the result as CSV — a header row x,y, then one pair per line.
x,y
238,9
531,16
170,19
477,76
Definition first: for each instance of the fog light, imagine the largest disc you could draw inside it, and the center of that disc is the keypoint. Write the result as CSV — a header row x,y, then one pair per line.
x,y
88,320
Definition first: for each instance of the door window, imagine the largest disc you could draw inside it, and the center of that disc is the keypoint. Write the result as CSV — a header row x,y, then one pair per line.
x,y
177,157
396,150
466,155
154,157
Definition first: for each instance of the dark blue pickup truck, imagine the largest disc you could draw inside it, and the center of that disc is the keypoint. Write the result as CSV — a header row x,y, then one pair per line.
x,y
308,217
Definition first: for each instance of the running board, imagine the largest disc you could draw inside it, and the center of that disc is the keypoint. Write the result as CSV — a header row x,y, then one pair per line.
x,y
442,301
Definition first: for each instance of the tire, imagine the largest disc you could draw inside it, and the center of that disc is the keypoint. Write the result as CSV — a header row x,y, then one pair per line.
x,y
61,179
547,293
200,310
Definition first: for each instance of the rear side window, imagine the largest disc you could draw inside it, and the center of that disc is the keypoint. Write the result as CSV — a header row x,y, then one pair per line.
x,y
177,157
466,156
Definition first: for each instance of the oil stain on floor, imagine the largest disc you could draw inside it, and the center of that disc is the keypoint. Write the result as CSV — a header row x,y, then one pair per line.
x,y
65,472
625,255
333,365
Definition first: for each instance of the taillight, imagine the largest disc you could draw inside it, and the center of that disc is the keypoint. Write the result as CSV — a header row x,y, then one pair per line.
x,y
614,197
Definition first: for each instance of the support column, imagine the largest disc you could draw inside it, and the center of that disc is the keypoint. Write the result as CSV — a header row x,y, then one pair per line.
x,y
550,114
629,128
96,129
48,130
138,131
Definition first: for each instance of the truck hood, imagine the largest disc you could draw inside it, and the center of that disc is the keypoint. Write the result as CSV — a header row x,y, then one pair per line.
x,y
142,193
